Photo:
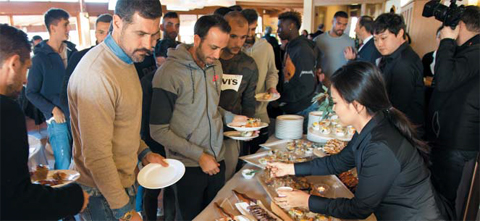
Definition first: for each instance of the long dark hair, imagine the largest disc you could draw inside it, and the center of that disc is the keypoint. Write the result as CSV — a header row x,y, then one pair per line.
x,y
362,82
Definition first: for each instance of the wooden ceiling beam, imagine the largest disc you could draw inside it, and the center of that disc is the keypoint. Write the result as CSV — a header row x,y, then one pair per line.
x,y
38,8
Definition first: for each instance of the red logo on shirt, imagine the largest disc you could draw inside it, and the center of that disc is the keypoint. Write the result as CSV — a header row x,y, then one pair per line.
x,y
215,78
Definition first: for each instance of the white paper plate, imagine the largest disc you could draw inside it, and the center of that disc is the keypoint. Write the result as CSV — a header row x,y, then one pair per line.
x,y
259,97
236,135
290,117
156,176
243,128
72,176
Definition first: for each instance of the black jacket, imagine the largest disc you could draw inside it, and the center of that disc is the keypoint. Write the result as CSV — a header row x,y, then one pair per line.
x,y
394,182
454,106
241,101
45,78
427,61
147,89
369,52
20,199
299,75
403,75
72,64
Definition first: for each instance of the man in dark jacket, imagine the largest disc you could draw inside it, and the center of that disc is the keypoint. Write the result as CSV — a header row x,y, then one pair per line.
x,y
45,82
299,68
401,67
102,25
454,107
170,28
20,198
276,47
367,50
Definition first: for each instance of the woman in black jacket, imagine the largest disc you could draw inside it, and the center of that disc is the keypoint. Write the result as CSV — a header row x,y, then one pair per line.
x,y
394,182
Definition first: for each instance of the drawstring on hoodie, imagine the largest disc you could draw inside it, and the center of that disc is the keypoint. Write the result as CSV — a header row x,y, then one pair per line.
x,y
215,74
193,83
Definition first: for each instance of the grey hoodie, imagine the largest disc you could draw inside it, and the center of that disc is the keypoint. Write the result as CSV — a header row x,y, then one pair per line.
x,y
184,115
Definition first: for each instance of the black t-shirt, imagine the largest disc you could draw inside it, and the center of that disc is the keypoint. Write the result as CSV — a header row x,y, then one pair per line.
x,y
163,45
147,66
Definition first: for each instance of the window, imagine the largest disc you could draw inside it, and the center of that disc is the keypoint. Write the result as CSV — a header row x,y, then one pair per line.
x,y
353,24
187,24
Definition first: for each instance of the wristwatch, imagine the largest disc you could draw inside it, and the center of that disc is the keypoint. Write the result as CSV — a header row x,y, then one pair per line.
x,y
127,216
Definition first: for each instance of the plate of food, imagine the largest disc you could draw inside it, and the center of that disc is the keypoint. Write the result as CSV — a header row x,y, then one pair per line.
x,y
331,129
267,97
156,176
252,124
334,146
241,135
53,178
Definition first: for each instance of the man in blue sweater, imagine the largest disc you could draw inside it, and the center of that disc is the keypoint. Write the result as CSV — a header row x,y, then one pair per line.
x,y
45,81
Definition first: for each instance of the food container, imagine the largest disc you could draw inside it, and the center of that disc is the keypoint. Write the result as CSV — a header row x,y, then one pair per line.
x,y
248,173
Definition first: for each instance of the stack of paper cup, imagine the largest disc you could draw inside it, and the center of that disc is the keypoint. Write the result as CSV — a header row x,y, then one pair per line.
x,y
289,127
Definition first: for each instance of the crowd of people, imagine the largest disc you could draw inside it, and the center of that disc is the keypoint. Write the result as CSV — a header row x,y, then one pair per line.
x,y
134,98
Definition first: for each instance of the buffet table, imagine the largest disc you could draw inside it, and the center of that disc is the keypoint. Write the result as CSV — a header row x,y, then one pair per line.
x,y
254,189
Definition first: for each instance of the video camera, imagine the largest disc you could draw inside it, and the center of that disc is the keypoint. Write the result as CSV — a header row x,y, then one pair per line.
x,y
450,16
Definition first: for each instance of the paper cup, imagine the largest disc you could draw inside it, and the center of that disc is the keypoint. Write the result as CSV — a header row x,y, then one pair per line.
x,y
283,188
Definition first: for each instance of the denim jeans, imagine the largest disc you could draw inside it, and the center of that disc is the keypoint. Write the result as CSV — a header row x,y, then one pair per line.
x,y
98,208
60,138
305,113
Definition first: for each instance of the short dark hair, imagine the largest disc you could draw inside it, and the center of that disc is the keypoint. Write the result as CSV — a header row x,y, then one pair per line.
x,y
36,37
149,9
471,18
106,18
236,8
170,15
206,22
250,14
13,41
340,14
292,16
53,16
222,11
366,22
391,22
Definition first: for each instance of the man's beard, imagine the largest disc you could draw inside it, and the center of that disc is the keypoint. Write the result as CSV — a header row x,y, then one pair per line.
x,y
250,40
171,35
140,58
234,50
202,56
339,32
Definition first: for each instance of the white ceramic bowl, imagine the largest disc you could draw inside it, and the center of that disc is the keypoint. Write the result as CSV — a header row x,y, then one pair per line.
x,y
246,173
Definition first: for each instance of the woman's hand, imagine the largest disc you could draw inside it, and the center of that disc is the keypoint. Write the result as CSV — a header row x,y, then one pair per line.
x,y
281,169
296,198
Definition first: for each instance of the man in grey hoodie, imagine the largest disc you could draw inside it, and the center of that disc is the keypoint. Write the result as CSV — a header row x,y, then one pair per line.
x,y
185,116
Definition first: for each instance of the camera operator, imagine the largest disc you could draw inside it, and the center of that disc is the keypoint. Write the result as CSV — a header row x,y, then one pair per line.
x,y
454,107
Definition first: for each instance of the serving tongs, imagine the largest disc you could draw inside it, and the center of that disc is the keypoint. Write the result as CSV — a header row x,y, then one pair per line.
x,y
227,216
